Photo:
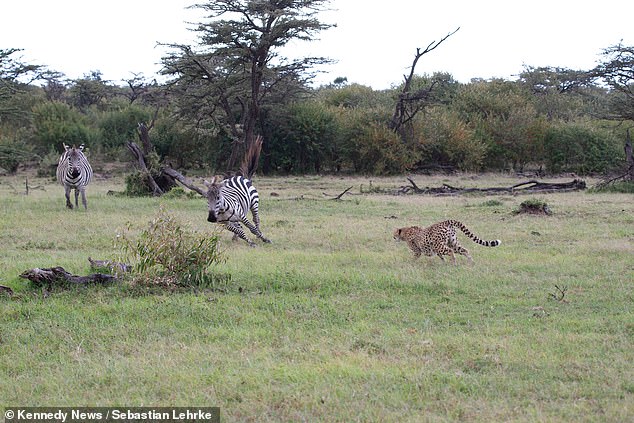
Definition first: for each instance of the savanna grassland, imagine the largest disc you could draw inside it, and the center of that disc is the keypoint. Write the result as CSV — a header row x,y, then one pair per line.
x,y
334,321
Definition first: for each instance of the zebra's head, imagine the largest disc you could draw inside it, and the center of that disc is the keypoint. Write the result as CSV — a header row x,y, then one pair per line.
x,y
214,199
74,156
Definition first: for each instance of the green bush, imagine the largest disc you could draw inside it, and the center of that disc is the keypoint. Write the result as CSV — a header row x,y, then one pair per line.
x,y
370,147
119,126
381,152
302,138
447,140
48,164
137,184
624,187
12,154
169,254
56,123
580,148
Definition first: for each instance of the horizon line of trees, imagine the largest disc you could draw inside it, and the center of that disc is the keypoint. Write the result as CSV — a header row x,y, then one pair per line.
x,y
233,86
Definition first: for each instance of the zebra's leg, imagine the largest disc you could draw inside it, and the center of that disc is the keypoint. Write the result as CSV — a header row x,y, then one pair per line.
x,y
256,221
254,230
77,197
237,230
67,193
83,197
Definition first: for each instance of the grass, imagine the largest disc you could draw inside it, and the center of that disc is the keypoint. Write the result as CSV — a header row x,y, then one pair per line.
x,y
333,321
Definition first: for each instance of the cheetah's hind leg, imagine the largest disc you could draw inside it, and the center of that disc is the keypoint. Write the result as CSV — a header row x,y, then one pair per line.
x,y
457,248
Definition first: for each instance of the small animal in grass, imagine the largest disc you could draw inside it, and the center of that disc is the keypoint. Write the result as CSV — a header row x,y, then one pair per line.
x,y
439,239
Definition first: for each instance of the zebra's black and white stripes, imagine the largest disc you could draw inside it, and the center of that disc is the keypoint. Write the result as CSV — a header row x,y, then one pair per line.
x,y
229,202
74,172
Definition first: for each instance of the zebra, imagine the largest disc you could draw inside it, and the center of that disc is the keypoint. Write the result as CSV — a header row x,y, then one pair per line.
x,y
74,172
230,200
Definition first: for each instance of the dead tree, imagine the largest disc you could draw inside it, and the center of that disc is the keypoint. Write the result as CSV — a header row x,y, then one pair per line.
x,y
157,180
411,102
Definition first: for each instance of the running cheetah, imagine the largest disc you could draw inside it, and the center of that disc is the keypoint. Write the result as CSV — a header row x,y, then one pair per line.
x,y
440,239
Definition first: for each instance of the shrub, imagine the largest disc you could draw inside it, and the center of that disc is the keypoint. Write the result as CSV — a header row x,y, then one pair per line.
x,y
381,152
581,148
168,254
302,138
623,187
371,147
13,153
137,183
447,140
56,123
534,206
48,164
119,126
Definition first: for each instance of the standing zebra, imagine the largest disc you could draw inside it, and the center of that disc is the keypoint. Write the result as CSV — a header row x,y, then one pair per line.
x,y
74,172
230,200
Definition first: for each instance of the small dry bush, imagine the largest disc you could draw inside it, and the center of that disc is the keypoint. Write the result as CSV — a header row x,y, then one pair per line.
x,y
168,254
534,206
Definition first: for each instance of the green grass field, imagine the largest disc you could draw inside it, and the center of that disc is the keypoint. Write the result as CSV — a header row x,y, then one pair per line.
x,y
334,321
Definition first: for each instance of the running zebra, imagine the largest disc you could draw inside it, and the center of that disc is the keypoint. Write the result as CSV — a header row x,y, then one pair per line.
x,y
230,200
74,172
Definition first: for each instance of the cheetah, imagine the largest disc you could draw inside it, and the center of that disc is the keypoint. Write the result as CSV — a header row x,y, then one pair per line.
x,y
439,239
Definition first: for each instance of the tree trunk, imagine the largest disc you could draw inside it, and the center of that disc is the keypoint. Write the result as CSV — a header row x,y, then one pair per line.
x,y
140,158
628,156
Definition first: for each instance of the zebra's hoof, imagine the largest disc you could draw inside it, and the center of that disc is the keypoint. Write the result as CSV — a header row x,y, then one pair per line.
x,y
268,241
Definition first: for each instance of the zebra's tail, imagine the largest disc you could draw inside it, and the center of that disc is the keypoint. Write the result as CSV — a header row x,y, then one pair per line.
x,y
251,158
475,239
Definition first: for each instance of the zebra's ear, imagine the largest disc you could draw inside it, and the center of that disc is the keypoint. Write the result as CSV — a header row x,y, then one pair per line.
x,y
209,184
81,148
66,147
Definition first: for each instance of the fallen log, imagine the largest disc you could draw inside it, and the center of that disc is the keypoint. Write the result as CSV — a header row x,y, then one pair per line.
x,y
531,186
183,180
59,276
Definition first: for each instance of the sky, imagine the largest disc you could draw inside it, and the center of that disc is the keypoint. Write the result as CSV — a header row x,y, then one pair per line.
x,y
373,44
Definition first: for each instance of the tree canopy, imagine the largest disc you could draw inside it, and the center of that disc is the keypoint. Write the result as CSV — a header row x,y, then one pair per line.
x,y
226,78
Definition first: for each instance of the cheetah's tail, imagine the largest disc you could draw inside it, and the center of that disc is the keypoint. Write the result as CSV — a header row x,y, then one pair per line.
x,y
477,240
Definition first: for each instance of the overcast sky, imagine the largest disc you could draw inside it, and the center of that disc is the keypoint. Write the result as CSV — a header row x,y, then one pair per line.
x,y
374,42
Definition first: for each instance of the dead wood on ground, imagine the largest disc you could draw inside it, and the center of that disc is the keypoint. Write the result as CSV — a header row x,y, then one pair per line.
x,y
530,187
59,276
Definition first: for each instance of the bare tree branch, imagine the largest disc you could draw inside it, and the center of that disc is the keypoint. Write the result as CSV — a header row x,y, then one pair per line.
x,y
410,103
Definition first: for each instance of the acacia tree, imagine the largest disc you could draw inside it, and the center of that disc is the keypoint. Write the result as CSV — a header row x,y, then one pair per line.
x,y
618,72
14,76
236,65
560,93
